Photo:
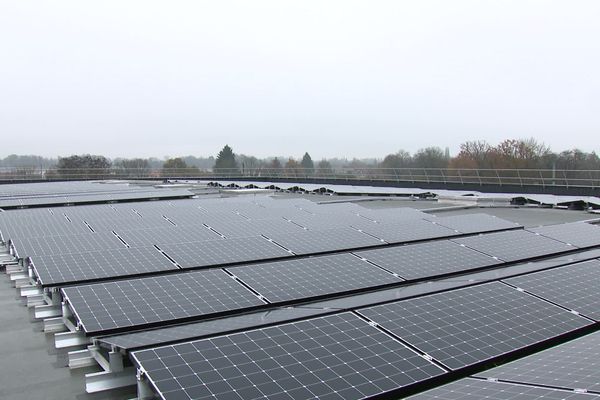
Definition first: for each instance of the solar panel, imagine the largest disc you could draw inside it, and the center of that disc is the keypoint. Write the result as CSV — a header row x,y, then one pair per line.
x,y
392,215
76,267
514,245
280,226
128,303
30,217
310,277
574,286
334,357
98,211
167,235
328,240
95,196
578,234
121,224
217,252
45,200
190,331
6,203
244,228
153,194
254,211
467,326
574,365
408,231
473,223
317,222
477,389
49,245
54,188
423,260
14,229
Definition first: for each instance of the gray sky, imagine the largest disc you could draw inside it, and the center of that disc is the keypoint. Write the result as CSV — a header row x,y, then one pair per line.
x,y
334,78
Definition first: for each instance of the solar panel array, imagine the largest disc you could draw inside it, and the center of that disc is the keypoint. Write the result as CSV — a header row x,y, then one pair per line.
x,y
59,193
477,389
217,252
467,326
122,304
472,223
423,260
294,279
311,277
574,286
242,228
59,269
574,365
336,357
182,332
408,231
167,235
256,255
345,356
66,188
202,233
578,234
130,222
282,281
390,216
327,240
514,245
50,245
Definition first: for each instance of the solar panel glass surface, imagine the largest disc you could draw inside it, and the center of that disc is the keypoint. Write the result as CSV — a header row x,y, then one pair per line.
x,y
477,389
309,277
574,365
227,251
574,286
421,260
334,357
76,267
466,326
124,304
514,245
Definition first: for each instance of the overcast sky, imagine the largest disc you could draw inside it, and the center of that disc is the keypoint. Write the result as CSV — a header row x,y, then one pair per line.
x,y
334,78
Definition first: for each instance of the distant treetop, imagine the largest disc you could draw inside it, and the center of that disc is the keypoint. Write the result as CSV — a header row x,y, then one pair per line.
x,y
175,163
307,164
225,161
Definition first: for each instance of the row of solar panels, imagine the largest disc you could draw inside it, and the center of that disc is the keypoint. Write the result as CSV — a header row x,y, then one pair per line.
x,y
133,340
388,347
570,371
356,352
195,231
443,257
117,240
226,217
7,203
232,217
170,298
58,188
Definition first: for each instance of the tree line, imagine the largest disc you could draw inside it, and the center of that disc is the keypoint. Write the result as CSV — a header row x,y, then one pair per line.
x,y
508,154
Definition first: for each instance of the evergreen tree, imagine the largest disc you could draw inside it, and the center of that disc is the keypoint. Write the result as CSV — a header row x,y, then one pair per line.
x,y
225,162
307,164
